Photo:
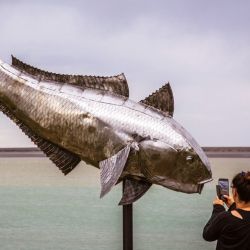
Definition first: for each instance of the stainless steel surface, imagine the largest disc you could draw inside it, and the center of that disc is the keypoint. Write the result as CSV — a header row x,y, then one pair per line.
x,y
94,125
111,169
117,84
133,190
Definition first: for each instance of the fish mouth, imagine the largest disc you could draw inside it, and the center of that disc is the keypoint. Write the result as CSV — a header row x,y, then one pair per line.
x,y
175,185
200,185
205,181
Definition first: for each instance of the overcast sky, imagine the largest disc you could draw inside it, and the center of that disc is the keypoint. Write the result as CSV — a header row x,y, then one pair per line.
x,y
201,47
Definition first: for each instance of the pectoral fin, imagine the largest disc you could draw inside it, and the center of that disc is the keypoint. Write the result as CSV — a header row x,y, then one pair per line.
x,y
134,190
112,168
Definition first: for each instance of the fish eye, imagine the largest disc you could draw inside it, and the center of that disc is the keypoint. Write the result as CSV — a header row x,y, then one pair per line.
x,y
189,158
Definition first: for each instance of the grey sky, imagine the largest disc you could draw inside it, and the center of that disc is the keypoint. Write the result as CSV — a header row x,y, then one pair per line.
x,y
201,47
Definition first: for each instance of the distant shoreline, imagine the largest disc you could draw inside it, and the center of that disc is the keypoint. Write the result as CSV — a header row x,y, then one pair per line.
x,y
212,152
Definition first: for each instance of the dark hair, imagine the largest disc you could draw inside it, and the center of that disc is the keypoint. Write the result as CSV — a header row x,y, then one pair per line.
x,y
241,182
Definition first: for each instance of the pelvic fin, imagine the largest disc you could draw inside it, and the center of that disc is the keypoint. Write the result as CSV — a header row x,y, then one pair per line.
x,y
134,190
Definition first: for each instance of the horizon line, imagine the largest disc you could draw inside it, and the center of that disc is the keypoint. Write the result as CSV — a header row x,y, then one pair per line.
x,y
212,152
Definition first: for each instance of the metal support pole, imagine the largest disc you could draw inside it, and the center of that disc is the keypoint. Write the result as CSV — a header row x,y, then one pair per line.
x,y
127,225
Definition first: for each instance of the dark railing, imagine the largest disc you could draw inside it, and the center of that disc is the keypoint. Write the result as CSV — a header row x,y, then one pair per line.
x,y
212,152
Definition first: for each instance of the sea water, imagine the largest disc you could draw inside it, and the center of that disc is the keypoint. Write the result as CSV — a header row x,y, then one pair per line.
x,y
40,208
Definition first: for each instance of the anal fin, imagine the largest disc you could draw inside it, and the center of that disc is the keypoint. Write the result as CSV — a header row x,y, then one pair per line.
x,y
62,158
133,190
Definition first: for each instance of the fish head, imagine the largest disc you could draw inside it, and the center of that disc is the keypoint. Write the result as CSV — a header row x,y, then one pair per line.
x,y
176,162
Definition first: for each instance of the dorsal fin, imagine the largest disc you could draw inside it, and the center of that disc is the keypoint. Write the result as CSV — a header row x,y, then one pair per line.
x,y
162,99
116,84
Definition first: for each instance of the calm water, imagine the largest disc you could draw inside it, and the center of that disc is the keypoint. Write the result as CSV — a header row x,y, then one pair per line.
x,y
42,209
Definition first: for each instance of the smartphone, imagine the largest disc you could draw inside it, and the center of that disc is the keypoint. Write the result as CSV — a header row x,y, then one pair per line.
x,y
222,188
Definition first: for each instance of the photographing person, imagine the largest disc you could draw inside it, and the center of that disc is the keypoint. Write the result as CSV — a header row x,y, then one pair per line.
x,y
231,228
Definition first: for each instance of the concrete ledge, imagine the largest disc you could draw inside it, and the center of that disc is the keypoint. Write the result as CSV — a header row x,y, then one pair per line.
x,y
212,152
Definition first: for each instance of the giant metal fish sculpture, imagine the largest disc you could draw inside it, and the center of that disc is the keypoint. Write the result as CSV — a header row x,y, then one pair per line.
x,y
73,118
